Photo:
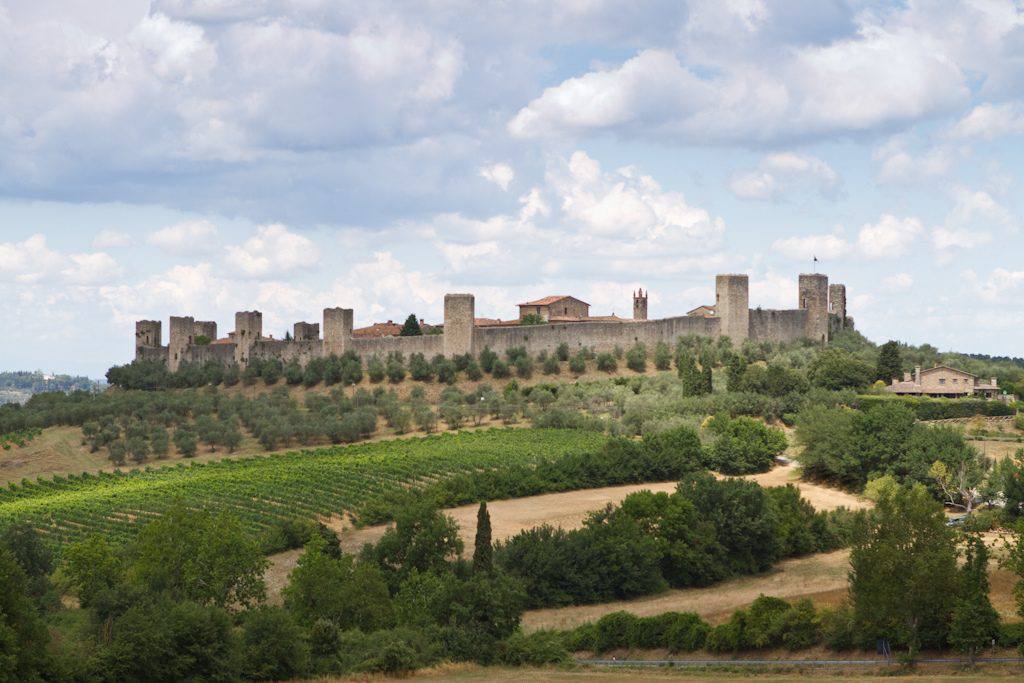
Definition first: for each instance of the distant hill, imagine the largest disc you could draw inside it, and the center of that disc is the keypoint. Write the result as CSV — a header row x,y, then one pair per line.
x,y
19,386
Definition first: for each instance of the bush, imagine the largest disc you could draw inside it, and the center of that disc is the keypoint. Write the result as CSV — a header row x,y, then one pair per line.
x,y
725,638
562,352
662,356
274,647
395,368
578,364
499,369
487,358
551,366
376,369
688,633
524,366
615,630
636,358
606,362
539,648
419,369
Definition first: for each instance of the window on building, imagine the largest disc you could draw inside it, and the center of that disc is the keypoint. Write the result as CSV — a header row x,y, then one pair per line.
x,y
942,380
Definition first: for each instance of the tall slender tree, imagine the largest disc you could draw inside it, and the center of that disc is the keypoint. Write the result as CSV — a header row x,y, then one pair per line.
x,y
411,328
890,362
483,551
975,622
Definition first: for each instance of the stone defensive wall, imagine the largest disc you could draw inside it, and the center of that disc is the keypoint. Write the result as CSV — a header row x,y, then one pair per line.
x,y
821,312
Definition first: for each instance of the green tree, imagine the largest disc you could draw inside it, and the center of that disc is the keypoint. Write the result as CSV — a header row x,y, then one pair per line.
x,y
91,567
975,622
422,539
411,327
532,319
903,576
483,550
686,368
273,645
835,368
23,635
890,362
662,356
201,556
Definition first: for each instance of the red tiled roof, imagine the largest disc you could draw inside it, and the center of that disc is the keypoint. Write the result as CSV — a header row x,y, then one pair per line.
x,y
548,300
388,329
225,340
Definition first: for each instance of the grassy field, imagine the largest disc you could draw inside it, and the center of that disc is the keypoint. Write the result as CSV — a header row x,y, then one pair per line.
x,y
261,491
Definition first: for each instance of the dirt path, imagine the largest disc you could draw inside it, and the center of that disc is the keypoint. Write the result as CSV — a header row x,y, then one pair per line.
x,y
567,510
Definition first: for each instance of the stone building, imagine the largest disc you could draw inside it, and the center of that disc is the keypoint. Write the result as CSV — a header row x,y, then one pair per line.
x,y
555,308
943,381
567,321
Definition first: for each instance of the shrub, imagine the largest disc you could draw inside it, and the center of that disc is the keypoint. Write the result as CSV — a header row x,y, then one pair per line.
x,y
662,356
273,645
606,362
419,368
578,364
725,638
535,649
562,352
636,358
551,366
615,630
524,366
395,368
499,369
687,633
487,358
376,370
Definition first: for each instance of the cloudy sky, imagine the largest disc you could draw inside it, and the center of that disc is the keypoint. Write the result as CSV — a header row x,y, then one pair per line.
x,y
204,156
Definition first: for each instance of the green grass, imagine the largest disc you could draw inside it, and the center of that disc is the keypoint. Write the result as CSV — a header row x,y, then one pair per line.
x,y
264,490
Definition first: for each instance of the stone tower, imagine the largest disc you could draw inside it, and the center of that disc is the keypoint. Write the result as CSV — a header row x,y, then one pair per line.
x,y
814,300
640,304
182,334
732,305
147,333
459,313
306,331
837,303
205,328
337,330
248,330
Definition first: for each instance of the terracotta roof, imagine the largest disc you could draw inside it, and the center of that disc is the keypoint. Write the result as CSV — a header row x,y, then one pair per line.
x,y
548,300
590,319
703,310
495,322
225,340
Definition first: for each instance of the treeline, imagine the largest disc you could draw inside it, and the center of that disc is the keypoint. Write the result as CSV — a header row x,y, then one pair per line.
x,y
914,581
186,601
706,531
37,382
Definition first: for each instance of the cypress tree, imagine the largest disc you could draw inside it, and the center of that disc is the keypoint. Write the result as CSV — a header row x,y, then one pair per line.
x,y
483,551
411,328
706,384
975,622
890,363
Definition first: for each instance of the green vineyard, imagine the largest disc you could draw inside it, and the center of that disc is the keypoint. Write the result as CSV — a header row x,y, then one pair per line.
x,y
262,491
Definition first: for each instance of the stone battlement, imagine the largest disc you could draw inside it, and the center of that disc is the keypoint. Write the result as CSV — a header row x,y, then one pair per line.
x,y
821,312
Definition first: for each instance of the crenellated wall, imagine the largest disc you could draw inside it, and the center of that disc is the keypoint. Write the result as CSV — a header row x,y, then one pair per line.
x,y
601,336
822,309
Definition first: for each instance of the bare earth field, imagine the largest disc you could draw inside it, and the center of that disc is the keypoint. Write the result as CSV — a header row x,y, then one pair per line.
x,y
567,510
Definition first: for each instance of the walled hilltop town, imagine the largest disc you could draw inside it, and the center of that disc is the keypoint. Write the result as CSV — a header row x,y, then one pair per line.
x,y
821,310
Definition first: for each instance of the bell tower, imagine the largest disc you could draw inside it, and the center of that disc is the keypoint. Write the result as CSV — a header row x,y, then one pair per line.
x,y
640,304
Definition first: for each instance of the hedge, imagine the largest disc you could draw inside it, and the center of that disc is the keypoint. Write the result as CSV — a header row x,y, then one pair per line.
x,y
940,408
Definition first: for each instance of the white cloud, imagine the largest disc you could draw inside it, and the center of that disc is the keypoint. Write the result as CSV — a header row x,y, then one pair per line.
x,y
28,260
91,269
959,239
896,164
885,76
805,248
899,281
889,237
978,209
501,175
186,238
111,239
1001,283
990,121
273,250
783,171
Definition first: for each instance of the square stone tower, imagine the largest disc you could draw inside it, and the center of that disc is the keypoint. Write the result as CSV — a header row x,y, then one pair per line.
x,y
814,300
732,305
182,336
306,331
337,331
459,316
147,333
837,303
248,330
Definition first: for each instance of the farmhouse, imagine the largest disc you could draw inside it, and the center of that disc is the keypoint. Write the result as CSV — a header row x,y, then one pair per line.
x,y
558,307
943,381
